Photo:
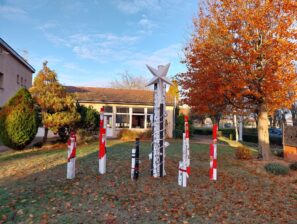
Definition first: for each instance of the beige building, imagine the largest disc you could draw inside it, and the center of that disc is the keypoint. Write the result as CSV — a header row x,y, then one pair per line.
x,y
130,109
15,72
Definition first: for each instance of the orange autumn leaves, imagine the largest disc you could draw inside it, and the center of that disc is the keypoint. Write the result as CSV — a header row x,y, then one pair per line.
x,y
241,56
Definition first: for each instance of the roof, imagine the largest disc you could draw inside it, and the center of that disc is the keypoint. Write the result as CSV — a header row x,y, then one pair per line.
x,y
16,55
117,96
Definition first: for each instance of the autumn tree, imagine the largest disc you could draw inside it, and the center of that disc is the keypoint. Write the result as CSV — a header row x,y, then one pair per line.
x,y
240,57
173,90
57,106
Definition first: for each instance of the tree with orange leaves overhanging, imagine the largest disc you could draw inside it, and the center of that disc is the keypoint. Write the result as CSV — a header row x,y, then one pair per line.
x,y
241,57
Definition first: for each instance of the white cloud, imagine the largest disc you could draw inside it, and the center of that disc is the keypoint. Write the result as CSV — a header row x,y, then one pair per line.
x,y
161,56
146,25
11,12
100,47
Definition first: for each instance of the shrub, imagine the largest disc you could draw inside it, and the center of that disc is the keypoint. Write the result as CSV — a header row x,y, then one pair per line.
x,y
243,153
82,136
180,126
18,120
89,119
293,166
89,122
276,168
130,135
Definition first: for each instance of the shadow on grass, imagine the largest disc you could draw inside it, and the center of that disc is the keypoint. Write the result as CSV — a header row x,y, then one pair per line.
x,y
113,198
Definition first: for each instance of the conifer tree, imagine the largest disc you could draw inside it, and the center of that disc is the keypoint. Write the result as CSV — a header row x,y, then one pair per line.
x,y
58,107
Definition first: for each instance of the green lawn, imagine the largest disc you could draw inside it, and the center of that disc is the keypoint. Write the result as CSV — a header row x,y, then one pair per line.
x,y
33,189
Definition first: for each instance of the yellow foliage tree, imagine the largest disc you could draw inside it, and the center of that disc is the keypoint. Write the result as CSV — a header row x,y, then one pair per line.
x,y
58,107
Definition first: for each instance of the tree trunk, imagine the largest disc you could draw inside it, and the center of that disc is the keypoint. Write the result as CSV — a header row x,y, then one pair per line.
x,y
240,132
235,127
263,134
45,135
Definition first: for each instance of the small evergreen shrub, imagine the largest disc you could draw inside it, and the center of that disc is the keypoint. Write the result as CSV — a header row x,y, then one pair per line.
x,y
243,153
276,168
180,126
293,166
18,120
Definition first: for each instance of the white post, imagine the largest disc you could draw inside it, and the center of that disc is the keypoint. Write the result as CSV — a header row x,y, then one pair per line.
x,y
133,163
158,126
71,156
102,143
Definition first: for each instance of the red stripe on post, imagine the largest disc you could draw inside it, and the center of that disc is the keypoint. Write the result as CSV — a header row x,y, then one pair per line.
x,y
214,132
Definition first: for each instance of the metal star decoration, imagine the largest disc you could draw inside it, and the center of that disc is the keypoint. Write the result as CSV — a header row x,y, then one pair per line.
x,y
160,74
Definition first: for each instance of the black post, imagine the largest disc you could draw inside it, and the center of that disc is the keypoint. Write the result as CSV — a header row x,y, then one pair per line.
x,y
161,138
136,170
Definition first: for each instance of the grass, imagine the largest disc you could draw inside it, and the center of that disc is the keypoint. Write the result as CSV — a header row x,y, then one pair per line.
x,y
33,189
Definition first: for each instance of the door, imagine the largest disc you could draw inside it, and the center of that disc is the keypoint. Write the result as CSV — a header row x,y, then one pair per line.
x,y
109,125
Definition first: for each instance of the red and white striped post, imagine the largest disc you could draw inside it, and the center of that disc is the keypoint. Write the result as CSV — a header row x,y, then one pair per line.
x,y
213,154
187,142
71,155
184,165
102,143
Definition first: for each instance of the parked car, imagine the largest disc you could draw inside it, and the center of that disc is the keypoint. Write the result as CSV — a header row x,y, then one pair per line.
x,y
275,132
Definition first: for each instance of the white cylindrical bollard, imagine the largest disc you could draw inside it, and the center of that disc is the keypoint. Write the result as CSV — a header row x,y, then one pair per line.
x,y
71,156
102,143
133,159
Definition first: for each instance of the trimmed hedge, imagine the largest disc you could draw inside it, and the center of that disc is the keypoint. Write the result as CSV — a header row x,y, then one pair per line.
x,y
18,120
276,169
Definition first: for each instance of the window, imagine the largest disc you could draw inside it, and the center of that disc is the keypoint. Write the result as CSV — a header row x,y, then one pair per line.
x,y
138,110
1,81
138,117
137,121
21,81
122,117
149,119
108,121
124,110
107,109
150,110
18,79
122,120
25,83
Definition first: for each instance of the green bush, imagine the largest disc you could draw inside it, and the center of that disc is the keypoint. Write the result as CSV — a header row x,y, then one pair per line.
x,y
18,120
88,124
89,118
180,126
293,166
276,168
243,153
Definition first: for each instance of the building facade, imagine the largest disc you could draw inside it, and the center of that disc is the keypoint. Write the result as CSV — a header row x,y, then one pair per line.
x,y
124,109
15,72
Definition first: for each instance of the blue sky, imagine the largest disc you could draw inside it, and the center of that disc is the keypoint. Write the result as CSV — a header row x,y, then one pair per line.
x,y
89,43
